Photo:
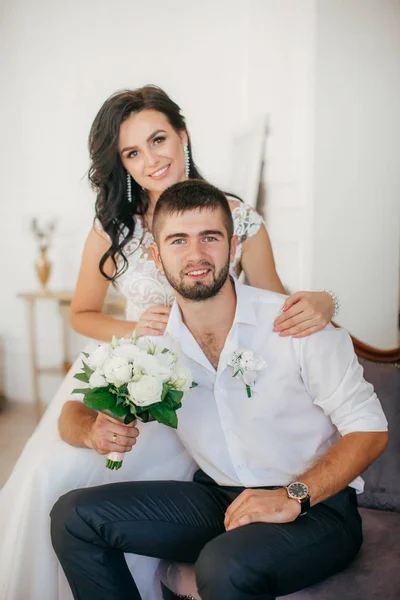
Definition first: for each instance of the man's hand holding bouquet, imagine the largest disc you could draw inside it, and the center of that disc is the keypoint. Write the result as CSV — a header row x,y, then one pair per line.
x,y
133,378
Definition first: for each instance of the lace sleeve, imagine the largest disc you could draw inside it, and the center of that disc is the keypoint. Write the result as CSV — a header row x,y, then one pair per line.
x,y
246,221
97,226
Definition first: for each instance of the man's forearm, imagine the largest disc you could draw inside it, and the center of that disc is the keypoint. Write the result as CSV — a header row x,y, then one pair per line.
x,y
75,423
344,461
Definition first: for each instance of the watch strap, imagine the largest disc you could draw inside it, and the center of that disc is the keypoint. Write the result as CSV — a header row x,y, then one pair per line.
x,y
305,505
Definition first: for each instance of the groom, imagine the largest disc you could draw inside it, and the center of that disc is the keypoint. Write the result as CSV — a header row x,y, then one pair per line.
x,y
273,507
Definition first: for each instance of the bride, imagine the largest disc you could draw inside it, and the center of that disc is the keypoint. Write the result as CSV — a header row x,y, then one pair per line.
x,y
139,146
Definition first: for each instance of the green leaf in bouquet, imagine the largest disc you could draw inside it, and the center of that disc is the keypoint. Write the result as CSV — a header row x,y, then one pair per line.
x,y
120,412
163,414
129,418
173,404
173,399
86,369
81,391
143,414
123,395
132,409
99,399
82,377
115,413
86,354
167,401
175,395
165,390
194,384
151,348
164,351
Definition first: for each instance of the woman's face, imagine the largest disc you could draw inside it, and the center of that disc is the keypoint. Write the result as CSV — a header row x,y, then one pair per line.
x,y
152,151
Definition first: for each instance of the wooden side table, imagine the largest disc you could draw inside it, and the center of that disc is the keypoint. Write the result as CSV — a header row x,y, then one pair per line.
x,y
112,305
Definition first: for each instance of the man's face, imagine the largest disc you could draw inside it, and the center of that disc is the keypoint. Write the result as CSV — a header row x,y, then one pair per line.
x,y
194,252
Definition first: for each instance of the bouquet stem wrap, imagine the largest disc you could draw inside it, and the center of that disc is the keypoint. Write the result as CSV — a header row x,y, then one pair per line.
x,y
114,460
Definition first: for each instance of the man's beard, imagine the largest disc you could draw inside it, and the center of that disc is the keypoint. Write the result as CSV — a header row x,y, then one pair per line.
x,y
199,290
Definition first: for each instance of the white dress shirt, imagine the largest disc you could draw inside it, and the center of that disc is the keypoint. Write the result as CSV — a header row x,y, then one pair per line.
x,y
310,393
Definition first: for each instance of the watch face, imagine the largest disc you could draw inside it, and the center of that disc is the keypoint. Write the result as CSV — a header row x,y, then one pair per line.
x,y
298,490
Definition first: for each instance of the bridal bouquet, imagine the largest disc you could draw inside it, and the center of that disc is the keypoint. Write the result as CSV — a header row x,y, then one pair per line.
x,y
134,378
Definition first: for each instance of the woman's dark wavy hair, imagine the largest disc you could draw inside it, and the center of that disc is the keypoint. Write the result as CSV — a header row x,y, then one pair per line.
x,y
107,173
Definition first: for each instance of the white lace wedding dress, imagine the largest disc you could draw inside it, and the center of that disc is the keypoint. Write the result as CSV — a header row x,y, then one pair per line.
x,y
48,467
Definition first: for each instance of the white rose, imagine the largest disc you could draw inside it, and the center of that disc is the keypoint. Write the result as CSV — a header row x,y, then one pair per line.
x,y
127,351
146,391
117,371
137,373
125,341
167,358
182,378
154,365
172,357
145,344
97,380
166,365
97,358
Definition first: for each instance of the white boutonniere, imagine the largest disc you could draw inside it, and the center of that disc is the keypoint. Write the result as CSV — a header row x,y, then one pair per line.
x,y
246,363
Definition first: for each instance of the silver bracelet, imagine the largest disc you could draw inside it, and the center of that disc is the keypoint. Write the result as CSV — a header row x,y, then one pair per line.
x,y
336,301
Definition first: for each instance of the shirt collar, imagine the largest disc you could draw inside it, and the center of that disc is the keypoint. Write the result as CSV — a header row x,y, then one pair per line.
x,y
175,322
245,312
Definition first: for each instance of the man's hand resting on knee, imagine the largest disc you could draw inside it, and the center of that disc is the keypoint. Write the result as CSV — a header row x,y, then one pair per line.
x,y
86,428
268,506
330,474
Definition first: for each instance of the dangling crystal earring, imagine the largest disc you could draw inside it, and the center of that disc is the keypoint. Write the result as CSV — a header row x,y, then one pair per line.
x,y
187,159
128,187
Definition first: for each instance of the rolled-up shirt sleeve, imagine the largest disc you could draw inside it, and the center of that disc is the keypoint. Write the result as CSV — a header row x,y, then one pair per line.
x,y
334,379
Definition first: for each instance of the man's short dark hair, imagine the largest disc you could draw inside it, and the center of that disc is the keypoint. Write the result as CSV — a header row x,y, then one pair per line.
x,y
193,194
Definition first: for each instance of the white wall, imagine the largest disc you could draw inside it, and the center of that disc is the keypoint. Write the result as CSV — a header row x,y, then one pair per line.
x,y
281,82
224,62
221,61
61,61
356,237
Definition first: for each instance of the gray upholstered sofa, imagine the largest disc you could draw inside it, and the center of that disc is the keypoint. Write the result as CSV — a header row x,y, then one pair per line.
x,y
375,574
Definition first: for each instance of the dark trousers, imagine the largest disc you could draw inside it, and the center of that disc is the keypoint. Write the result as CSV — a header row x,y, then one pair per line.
x,y
183,522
